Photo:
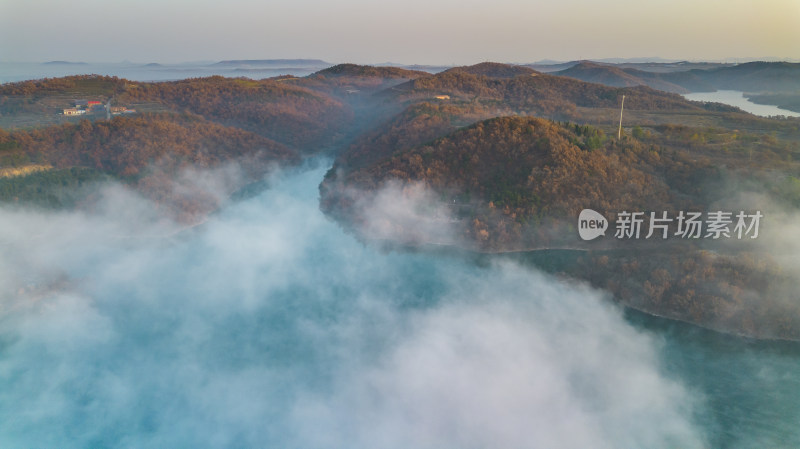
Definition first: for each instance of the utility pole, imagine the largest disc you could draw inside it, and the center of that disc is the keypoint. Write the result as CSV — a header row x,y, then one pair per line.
x,y
619,133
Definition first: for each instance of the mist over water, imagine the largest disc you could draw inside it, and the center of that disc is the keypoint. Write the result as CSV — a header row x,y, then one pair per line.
x,y
268,326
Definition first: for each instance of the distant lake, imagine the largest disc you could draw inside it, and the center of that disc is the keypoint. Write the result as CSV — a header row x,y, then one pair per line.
x,y
736,98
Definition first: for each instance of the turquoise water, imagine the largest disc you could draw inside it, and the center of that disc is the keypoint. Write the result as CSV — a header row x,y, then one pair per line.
x,y
269,326
751,388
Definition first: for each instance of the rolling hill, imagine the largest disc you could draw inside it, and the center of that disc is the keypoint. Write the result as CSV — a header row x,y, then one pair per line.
x,y
513,184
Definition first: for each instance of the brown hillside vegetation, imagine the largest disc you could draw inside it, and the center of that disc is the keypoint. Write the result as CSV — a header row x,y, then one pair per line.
x,y
367,71
125,145
495,70
418,124
292,115
508,172
147,151
296,116
350,83
549,95
518,183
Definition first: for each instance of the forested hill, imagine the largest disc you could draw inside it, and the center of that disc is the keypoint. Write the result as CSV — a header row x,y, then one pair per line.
x,y
494,70
199,122
295,116
301,118
503,179
125,146
353,70
146,151
509,172
537,92
514,184
432,106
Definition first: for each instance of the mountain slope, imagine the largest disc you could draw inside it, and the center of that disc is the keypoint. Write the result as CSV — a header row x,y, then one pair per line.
x,y
519,183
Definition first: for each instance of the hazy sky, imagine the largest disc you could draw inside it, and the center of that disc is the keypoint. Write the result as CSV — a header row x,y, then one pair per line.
x,y
412,31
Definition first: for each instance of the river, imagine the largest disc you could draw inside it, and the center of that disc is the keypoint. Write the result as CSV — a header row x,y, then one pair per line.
x,y
269,326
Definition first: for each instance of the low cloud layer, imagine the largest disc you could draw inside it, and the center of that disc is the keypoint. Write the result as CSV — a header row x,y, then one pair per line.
x,y
268,326
407,212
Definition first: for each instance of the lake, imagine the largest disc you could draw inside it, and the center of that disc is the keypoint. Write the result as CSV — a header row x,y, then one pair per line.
x,y
736,98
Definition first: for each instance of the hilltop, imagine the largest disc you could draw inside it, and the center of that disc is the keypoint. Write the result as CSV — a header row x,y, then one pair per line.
x,y
495,70
341,70
523,170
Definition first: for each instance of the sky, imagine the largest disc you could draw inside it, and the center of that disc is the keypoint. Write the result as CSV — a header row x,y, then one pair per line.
x,y
409,32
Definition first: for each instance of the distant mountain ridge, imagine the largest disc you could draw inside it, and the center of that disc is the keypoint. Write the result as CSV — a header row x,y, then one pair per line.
x,y
751,77
274,62
754,76
617,77
63,63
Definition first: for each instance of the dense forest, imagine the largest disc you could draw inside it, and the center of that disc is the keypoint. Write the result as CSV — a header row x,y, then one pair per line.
x,y
512,175
518,183
145,151
286,113
538,93
494,70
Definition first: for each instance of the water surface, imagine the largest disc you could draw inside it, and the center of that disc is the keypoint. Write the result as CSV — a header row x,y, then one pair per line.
x,y
270,326
737,98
